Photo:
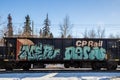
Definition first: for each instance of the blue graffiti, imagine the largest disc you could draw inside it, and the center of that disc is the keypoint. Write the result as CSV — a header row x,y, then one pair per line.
x,y
85,53
97,53
38,52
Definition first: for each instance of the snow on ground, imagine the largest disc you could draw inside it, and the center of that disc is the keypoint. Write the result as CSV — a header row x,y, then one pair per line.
x,y
61,76
54,65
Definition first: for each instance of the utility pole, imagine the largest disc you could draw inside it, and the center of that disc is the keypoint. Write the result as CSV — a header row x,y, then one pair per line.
x,y
32,28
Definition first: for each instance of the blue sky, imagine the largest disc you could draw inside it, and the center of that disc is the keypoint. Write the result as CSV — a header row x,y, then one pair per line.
x,y
85,12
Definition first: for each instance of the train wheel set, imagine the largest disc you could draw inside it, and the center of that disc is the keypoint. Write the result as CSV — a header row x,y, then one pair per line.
x,y
95,65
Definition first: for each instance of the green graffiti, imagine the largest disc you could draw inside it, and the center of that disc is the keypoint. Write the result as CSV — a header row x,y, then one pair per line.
x,y
78,53
69,53
101,54
23,51
85,53
92,55
48,51
56,52
38,52
86,49
31,52
98,53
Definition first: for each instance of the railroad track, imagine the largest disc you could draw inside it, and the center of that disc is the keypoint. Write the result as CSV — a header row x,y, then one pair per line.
x,y
49,70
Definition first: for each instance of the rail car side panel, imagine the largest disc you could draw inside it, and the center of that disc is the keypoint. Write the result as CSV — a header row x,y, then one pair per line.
x,y
57,49
61,49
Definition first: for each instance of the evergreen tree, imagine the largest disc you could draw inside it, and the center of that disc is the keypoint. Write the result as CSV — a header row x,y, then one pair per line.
x,y
46,29
51,35
27,28
69,36
9,26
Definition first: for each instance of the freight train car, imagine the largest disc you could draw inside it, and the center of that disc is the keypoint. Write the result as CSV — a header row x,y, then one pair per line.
x,y
21,52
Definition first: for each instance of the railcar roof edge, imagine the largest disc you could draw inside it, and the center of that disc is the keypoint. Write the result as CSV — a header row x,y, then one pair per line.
x,y
62,38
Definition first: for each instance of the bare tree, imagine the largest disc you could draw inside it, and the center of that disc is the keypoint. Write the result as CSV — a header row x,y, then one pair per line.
x,y
65,28
118,35
114,36
100,32
111,36
92,34
3,32
3,28
85,34
1,23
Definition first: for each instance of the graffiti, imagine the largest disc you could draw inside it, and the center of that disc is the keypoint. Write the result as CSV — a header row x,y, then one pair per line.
x,y
49,52
84,50
38,52
84,53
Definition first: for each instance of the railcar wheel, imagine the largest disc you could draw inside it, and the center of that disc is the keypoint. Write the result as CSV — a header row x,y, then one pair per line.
x,y
76,65
42,65
66,65
39,65
111,65
9,69
26,66
9,66
95,66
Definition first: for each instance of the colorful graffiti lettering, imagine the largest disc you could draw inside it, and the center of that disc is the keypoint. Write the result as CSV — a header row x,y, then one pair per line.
x,y
38,52
85,53
84,50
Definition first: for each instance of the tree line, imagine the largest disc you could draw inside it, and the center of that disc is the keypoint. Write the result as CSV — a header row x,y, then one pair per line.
x,y
45,32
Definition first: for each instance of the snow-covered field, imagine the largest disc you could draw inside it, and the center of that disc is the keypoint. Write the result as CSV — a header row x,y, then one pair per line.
x,y
61,76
